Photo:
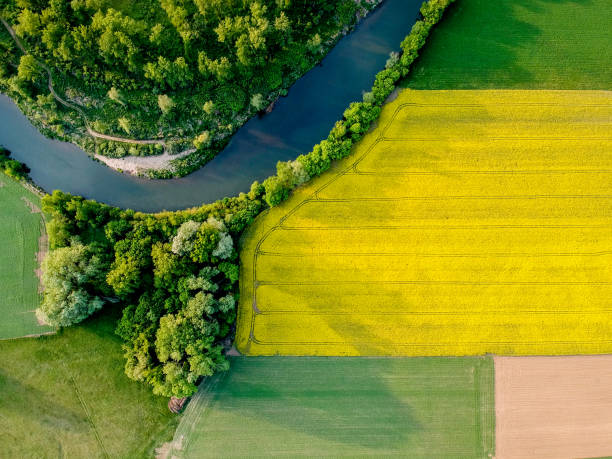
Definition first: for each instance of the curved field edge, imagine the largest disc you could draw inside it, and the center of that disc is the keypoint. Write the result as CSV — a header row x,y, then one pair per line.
x,y
442,407
581,108
270,218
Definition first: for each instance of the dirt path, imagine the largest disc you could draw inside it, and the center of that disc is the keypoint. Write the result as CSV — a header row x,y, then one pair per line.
x,y
81,113
553,407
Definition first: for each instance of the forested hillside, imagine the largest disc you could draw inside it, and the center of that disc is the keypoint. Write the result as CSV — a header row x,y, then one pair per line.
x,y
188,71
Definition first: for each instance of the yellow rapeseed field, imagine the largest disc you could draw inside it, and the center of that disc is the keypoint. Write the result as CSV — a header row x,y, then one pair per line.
x,y
467,222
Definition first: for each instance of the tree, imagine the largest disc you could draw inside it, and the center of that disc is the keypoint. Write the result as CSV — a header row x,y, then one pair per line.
x,y
69,276
183,242
125,275
115,94
209,107
203,140
258,102
205,243
124,123
29,23
28,69
166,104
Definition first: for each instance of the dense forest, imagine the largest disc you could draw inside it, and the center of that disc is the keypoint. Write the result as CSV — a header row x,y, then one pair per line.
x,y
176,273
189,71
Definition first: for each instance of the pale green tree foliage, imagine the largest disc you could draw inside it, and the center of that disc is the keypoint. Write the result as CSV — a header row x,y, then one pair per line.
x,y
115,94
166,104
182,243
258,102
68,274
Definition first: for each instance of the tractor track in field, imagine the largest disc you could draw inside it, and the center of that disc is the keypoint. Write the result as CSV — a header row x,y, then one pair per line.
x,y
353,169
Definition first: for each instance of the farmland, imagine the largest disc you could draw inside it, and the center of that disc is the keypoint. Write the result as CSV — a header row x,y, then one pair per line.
x,y
66,395
468,222
552,407
536,44
20,226
290,407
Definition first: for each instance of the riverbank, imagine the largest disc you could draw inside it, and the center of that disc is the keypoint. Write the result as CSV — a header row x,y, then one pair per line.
x,y
119,150
298,121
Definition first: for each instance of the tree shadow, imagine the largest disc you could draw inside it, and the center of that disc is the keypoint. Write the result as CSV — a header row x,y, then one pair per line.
x,y
332,399
47,413
345,405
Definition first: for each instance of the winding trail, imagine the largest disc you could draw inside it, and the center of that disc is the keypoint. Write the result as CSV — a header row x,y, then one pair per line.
x,y
64,102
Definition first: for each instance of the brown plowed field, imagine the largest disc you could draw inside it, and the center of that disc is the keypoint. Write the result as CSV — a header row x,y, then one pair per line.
x,y
553,407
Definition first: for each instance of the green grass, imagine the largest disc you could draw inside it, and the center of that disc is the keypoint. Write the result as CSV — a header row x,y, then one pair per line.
x,y
20,229
66,395
522,44
284,406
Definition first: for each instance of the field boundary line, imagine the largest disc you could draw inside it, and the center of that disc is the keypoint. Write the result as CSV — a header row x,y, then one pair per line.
x,y
416,282
436,255
483,172
434,313
459,227
374,343
462,197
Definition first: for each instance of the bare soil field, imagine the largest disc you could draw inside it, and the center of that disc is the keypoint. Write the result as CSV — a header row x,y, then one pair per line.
x,y
553,407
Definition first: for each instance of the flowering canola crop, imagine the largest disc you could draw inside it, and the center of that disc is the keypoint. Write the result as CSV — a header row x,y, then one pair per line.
x,y
467,222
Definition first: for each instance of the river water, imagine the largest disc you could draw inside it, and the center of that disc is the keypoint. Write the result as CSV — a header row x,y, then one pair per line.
x,y
298,121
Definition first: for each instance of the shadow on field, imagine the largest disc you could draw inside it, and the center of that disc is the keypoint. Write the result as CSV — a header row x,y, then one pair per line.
x,y
476,45
355,402
47,413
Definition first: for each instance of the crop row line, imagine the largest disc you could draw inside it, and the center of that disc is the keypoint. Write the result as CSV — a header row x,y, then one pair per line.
x,y
431,227
432,313
438,255
485,172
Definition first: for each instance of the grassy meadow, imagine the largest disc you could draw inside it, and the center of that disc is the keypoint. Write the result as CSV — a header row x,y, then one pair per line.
x,y
468,222
518,44
307,407
20,225
66,395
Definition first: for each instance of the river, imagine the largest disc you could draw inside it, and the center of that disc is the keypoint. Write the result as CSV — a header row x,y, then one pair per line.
x,y
298,121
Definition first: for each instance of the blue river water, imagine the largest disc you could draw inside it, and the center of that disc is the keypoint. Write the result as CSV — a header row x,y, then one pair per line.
x,y
297,122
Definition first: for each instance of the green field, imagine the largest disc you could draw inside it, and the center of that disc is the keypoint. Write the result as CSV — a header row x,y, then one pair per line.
x,y
20,228
293,407
526,44
66,395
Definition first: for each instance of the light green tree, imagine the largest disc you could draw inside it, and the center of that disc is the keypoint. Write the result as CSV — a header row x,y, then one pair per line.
x,y
166,104
124,123
258,102
115,95
68,275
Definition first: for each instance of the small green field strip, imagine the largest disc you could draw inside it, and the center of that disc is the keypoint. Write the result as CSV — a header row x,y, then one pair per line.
x,y
21,226
300,407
